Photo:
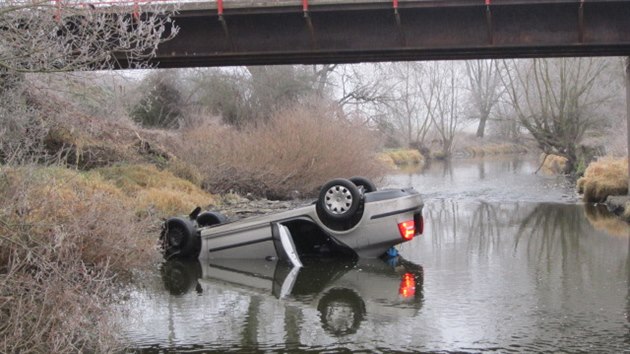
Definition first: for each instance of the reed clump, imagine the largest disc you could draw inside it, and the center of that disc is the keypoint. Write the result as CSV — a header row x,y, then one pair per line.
x,y
604,177
402,157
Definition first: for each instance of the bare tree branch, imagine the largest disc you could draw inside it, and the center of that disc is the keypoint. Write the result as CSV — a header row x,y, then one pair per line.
x,y
43,37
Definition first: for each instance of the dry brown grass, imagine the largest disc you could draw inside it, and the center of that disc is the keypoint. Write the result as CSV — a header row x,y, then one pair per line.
x,y
553,164
185,171
292,155
402,157
607,176
493,149
155,191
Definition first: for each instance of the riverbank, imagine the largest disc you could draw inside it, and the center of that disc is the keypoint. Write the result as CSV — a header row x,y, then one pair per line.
x,y
70,240
467,147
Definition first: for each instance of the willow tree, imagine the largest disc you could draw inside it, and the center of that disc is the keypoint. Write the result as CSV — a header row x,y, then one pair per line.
x,y
440,96
405,105
484,83
556,101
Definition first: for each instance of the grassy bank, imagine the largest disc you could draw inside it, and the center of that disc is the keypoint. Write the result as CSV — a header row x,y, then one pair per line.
x,y
67,238
466,146
469,145
607,176
491,149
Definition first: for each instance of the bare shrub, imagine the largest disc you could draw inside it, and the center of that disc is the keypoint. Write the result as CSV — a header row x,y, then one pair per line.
x,y
42,37
289,156
22,132
64,239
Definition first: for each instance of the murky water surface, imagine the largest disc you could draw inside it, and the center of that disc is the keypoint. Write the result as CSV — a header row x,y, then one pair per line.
x,y
509,262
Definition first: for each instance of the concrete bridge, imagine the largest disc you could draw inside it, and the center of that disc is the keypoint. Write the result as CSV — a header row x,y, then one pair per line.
x,y
249,32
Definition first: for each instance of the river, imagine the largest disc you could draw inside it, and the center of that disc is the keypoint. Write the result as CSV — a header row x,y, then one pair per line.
x,y
510,261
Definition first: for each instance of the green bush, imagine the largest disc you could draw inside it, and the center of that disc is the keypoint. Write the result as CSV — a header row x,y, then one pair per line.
x,y
161,105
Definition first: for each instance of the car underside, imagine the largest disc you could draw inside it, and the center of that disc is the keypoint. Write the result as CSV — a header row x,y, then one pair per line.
x,y
349,219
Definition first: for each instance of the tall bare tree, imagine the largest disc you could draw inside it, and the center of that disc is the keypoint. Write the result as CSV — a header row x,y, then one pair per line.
x,y
405,108
555,101
440,95
360,91
484,83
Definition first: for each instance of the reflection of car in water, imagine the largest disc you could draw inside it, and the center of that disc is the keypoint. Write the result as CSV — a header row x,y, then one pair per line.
x,y
350,217
341,291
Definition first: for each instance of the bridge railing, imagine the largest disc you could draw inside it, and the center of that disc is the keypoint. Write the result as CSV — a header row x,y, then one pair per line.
x,y
136,6
220,5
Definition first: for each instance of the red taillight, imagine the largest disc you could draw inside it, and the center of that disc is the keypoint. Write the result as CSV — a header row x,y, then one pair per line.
x,y
407,285
407,229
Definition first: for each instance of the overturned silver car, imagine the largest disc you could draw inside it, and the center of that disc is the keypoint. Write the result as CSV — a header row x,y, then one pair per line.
x,y
349,218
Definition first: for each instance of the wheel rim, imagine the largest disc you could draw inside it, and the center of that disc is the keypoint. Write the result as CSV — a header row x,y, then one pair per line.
x,y
175,237
338,200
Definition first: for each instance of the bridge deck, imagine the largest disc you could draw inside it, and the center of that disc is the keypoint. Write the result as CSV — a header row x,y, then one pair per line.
x,y
251,32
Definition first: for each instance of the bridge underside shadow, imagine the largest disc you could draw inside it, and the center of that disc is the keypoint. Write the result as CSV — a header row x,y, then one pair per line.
x,y
376,31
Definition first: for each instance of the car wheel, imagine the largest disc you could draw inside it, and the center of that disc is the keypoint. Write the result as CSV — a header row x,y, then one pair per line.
x,y
367,185
180,238
209,218
341,311
338,200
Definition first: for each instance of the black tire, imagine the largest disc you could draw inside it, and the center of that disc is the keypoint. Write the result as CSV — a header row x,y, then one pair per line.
x,y
338,200
367,185
334,321
209,218
180,238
